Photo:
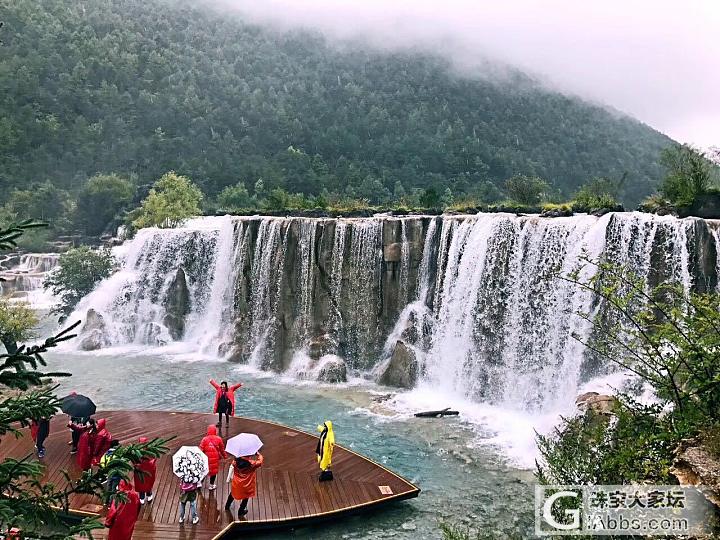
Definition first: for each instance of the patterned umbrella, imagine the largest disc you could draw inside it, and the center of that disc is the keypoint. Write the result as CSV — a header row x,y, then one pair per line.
x,y
190,464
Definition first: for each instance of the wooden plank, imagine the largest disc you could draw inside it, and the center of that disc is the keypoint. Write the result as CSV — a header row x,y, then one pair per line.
x,y
289,492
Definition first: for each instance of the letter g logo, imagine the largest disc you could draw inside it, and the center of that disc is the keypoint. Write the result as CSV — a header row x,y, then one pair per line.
x,y
574,514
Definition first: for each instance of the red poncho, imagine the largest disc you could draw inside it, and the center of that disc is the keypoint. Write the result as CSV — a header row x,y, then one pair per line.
x,y
144,474
121,517
214,449
101,442
230,395
85,446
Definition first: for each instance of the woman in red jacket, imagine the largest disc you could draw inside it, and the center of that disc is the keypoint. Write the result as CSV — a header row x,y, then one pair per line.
x,y
86,443
144,476
101,443
214,448
224,400
121,516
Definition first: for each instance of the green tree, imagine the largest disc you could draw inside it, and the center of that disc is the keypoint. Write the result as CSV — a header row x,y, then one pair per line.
x,y
172,199
100,200
17,321
598,193
669,340
528,190
43,202
22,504
430,199
689,174
78,271
234,198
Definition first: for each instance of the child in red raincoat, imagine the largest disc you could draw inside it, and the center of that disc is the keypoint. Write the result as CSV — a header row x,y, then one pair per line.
x,y
86,443
102,442
224,400
144,474
214,448
121,516
244,481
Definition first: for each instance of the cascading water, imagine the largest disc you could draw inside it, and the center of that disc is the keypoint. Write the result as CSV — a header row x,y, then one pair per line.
x,y
23,276
480,305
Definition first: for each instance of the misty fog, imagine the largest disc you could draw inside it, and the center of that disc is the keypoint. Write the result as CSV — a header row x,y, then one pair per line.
x,y
657,60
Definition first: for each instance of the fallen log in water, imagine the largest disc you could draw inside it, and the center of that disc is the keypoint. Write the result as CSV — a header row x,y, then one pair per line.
x,y
437,414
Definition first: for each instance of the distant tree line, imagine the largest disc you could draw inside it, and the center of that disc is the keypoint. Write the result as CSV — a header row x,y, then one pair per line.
x,y
98,100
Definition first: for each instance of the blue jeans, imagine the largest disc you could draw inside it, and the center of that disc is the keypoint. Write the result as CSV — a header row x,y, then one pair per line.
x,y
193,509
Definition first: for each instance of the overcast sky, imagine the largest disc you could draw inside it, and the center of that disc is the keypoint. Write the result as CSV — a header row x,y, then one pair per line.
x,y
657,60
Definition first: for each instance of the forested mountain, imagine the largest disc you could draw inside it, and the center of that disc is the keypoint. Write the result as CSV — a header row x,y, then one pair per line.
x,y
140,87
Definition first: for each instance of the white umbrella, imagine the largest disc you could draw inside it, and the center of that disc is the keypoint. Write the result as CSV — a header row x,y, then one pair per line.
x,y
245,444
190,464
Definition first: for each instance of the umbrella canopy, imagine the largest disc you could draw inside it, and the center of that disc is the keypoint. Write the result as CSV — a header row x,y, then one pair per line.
x,y
190,464
78,406
245,444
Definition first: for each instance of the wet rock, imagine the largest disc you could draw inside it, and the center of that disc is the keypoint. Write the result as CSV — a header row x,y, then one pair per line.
x,y
93,332
392,252
321,346
332,369
695,465
402,368
598,403
156,334
177,305
706,206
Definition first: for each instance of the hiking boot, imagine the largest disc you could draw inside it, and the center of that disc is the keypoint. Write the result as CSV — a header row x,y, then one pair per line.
x,y
242,513
212,487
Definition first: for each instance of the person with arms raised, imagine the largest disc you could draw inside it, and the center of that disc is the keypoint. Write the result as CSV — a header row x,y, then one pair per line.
x,y
224,400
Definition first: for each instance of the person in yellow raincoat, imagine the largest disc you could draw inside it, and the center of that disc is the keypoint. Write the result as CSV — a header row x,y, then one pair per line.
x,y
324,450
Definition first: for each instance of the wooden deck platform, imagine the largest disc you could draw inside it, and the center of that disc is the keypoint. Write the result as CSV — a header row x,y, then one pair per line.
x,y
289,493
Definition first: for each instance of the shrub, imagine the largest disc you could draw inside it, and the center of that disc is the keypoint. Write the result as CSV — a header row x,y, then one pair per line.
x,y
526,190
172,199
78,271
689,174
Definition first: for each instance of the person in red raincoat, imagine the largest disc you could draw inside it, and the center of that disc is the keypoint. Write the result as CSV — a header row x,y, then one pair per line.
x,y
121,516
102,442
144,474
214,448
224,400
244,482
86,443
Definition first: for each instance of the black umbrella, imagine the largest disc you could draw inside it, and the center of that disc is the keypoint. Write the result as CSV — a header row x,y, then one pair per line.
x,y
78,406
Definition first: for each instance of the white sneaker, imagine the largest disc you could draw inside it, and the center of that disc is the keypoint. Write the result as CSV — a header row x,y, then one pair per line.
x,y
212,487
142,501
196,519
150,497
181,520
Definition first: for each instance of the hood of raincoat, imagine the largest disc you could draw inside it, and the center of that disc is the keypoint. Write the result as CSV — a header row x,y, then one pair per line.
x,y
100,424
211,430
125,486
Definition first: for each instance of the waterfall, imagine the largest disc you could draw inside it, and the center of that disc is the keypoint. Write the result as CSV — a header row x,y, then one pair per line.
x,y
23,277
364,268
404,264
267,270
480,306
306,276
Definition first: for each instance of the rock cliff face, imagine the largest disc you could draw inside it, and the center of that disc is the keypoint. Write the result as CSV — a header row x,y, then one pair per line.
x,y
473,298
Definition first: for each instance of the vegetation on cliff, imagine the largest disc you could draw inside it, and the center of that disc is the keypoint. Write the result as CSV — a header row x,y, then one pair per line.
x,y
670,341
139,88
